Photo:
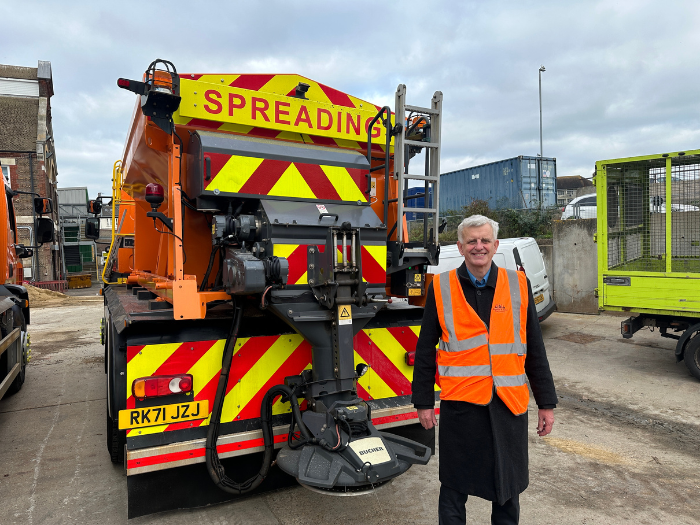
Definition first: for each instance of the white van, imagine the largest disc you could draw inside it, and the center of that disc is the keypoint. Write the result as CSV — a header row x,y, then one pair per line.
x,y
521,254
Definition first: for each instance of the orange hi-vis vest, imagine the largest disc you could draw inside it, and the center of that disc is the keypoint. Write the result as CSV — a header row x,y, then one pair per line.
x,y
472,358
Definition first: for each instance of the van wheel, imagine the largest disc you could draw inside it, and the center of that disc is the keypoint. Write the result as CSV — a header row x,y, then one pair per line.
x,y
691,356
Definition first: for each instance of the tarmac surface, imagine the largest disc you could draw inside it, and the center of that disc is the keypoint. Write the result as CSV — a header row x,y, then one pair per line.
x,y
625,446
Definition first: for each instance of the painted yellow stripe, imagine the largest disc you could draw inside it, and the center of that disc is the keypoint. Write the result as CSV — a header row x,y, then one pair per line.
x,y
291,184
288,135
304,279
236,128
392,349
378,389
345,143
203,371
283,250
282,84
343,183
378,253
217,79
241,394
145,364
234,174
147,361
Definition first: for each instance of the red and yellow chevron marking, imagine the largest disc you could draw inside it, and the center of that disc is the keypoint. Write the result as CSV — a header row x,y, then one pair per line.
x,y
373,261
238,174
384,349
261,105
261,362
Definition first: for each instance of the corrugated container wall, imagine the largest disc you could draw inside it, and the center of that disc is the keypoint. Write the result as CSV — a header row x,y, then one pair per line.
x,y
418,203
517,183
72,202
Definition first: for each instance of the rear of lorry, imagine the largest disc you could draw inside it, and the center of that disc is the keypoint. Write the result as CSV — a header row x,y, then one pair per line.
x,y
257,246
648,251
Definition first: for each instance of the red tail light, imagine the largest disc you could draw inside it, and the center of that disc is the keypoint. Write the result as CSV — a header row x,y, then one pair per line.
x,y
410,358
522,269
158,386
123,83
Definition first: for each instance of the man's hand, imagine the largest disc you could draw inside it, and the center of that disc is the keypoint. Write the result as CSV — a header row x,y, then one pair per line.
x,y
426,416
545,421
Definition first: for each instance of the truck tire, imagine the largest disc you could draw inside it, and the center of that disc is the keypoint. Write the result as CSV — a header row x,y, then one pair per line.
x,y
691,356
116,440
18,322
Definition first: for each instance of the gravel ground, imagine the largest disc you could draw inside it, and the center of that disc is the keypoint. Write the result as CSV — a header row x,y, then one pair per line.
x,y
625,445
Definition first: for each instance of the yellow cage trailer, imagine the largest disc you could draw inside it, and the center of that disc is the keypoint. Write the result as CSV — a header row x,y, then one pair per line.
x,y
649,246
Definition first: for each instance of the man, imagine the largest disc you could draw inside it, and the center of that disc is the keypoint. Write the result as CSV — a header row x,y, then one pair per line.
x,y
484,319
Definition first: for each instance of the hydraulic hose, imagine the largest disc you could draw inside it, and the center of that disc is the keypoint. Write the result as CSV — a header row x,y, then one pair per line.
x,y
214,466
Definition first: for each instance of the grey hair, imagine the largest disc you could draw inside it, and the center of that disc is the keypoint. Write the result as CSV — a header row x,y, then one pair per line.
x,y
475,221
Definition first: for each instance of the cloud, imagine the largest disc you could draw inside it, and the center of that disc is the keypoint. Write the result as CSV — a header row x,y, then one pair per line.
x,y
620,79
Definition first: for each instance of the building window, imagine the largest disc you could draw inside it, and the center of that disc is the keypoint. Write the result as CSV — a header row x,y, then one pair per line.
x,y
5,173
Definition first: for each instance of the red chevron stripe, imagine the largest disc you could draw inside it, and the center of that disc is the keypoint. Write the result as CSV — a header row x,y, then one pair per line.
x,y
264,133
363,393
131,351
265,177
381,364
296,362
318,181
405,336
253,82
372,272
297,261
184,358
324,141
202,123
337,97
244,359
359,177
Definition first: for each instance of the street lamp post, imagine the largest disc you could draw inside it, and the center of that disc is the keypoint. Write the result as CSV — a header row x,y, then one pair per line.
x,y
542,69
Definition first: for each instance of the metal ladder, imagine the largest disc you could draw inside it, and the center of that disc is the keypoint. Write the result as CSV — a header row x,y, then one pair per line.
x,y
432,170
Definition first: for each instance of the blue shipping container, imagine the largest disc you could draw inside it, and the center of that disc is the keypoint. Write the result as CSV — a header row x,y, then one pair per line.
x,y
418,203
517,183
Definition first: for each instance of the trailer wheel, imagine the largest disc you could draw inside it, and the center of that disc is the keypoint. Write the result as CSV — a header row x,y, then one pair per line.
x,y
691,356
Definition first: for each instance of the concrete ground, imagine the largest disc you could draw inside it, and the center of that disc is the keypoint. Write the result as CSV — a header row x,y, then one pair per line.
x,y
625,446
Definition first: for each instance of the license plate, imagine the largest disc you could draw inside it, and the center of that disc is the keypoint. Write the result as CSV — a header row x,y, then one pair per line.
x,y
539,298
162,415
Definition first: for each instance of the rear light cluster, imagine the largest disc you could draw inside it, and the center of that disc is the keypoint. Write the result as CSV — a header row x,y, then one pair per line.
x,y
521,269
410,358
158,386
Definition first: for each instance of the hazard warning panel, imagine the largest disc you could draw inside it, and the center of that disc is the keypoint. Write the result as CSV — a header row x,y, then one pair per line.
x,y
344,314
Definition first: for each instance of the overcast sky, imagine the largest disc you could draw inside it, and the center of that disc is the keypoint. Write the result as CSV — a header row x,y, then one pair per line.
x,y
622,77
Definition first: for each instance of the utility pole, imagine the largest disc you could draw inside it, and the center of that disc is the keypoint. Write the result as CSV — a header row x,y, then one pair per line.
x,y
542,69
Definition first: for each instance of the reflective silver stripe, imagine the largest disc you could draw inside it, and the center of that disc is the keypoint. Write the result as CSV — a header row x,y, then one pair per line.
x,y
509,380
508,348
467,344
514,286
447,304
464,371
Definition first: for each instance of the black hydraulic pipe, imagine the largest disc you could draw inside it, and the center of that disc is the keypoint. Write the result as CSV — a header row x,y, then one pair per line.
x,y
214,466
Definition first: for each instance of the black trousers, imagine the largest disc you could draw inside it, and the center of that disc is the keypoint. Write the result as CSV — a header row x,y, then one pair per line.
x,y
452,511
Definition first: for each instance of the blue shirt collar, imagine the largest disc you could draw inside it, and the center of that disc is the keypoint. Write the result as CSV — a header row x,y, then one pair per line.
x,y
477,283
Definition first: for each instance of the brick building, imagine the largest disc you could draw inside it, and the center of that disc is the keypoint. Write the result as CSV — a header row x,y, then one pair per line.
x,y
28,157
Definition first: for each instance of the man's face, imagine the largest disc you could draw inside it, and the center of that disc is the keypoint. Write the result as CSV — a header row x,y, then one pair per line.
x,y
478,248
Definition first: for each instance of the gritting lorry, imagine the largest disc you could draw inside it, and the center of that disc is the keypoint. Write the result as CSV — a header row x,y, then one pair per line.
x,y
262,300
648,250
15,350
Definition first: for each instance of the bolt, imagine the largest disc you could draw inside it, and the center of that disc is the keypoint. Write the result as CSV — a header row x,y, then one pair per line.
x,y
311,267
121,373
140,353
289,312
154,114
